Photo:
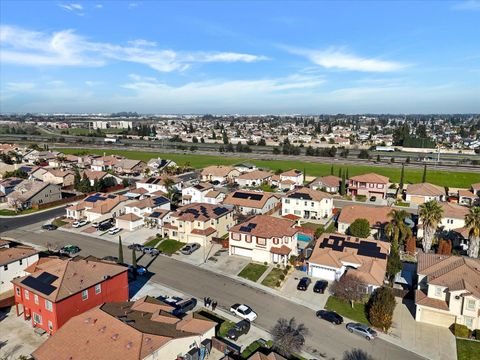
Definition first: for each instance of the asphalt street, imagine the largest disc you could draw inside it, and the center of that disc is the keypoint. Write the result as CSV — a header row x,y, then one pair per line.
x,y
324,340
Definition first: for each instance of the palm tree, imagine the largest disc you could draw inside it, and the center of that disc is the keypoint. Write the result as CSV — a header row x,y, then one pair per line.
x,y
430,215
396,229
472,223
169,186
288,337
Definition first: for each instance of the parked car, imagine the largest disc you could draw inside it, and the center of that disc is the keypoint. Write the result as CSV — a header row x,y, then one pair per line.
x,y
79,223
362,330
190,248
49,227
95,224
137,247
105,226
69,250
304,283
244,311
110,258
330,316
320,286
141,270
114,231
240,328
184,306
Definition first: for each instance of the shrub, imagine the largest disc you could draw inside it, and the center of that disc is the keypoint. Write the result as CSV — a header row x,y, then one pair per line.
x,y
285,271
278,283
380,312
265,263
288,267
278,266
360,228
477,334
460,330
282,277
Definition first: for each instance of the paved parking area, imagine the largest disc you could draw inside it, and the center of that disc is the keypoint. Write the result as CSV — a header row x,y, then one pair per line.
x,y
17,337
314,300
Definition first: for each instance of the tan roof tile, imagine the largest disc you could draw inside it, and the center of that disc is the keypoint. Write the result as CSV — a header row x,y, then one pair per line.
x,y
267,226
425,189
371,178
375,215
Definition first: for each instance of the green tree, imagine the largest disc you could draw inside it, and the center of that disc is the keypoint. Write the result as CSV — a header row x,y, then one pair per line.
x,y
343,184
402,175
359,228
168,183
396,229
424,175
262,142
430,215
472,223
120,250
331,170
380,312
394,264
319,231
364,154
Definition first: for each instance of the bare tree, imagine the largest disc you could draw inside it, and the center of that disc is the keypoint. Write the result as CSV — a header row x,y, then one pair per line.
x,y
356,354
349,288
288,337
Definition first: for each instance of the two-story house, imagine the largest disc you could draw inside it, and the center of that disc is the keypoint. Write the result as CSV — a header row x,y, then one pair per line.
x,y
453,218
144,329
98,207
294,175
335,254
424,192
329,183
199,222
104,163
219,173
307,203
264,238
57,289
30,192
377,217
196,193
448,290
129,167
160,183
14,259
253,178
249,202
369,185
60,177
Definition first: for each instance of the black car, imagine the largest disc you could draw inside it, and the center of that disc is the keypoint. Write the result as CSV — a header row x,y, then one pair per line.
x,y
304,283
105,226
241,328
320,286
330,316
137,247
49,227
184,306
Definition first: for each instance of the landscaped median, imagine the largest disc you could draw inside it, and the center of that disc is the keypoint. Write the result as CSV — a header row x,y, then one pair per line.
x,y
253,271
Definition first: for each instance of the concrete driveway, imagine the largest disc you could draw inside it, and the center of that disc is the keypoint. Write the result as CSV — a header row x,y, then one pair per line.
x,y
436,342
309,298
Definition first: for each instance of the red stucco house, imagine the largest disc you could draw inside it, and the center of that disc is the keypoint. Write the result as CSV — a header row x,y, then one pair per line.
x,y
58,289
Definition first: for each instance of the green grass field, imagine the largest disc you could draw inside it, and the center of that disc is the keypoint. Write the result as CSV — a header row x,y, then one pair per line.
x,y
357,313
252,271
170,246
466,349
442,178
272,278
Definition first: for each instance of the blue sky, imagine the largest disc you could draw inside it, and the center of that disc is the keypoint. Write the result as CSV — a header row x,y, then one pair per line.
x,y
240,57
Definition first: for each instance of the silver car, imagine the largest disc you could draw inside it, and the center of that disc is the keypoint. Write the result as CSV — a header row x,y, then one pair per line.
x,y
190,248
362,330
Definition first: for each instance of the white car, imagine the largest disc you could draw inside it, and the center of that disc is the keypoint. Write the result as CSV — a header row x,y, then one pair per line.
x,y
79,223
114,231
244,311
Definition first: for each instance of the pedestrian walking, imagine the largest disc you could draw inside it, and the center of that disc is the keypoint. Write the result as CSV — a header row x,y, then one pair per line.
x,y
205,301
214,305
209,302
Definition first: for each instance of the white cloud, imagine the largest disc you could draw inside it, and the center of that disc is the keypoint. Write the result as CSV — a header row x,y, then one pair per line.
x,y
66,48
337,58
73,7
467,5
132,5
93,83
98,6
20,86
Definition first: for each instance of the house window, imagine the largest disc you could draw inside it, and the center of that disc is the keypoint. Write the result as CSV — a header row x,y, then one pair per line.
x,y
275,241
18,291
37,318
468,321
438,291
470,304
35,298
85,295
98,288
48,305
50,325
21,261
312,204
297,212
248,238
287,201
27,294
261,241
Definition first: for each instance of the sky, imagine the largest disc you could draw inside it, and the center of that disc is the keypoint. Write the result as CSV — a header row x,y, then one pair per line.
x,y
240,57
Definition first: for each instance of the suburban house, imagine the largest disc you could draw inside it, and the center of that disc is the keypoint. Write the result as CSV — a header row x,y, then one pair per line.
x,y
135,330
93,176
31,192
160,183
307,203
377,217
453,218
157,165
219,173
253,178
104,163
295,176
448,290
196,193
60,177
129,222
129,167
13,261
467,198
369,185
199,223
475,188
329,183
37,173
8,185
249,202
98,207
157,219
36,156
57,289
264,238
424,192
245,167
335,254
147,205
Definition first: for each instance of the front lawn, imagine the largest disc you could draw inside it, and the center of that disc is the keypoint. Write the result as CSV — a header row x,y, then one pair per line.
x,y
467,349
253,271
273,278
170,246
152,242
357,313
58,222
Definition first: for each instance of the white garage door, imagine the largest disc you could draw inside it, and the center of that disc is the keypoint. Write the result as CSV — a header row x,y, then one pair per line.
x,y
321,273
241,251
436,318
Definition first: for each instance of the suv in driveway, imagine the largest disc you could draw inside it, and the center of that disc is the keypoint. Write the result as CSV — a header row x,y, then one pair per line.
x,y
362,330
184,306
304,283
320,286
240,328
190,248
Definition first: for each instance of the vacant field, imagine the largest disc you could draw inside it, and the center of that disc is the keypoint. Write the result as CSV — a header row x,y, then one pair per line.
x,y
442,178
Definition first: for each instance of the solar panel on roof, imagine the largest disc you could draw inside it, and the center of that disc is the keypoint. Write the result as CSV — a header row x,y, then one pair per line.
x,y
219,211
160,201
47,278
38,285
242,195
364,248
